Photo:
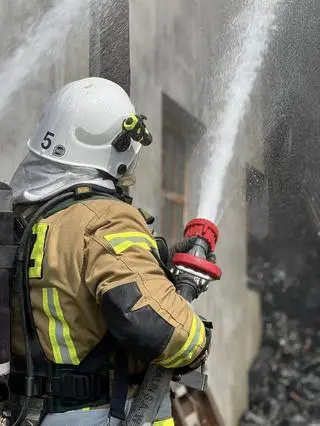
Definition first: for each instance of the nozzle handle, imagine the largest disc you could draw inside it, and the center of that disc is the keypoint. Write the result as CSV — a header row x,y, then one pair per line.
x,y
197,264
187,287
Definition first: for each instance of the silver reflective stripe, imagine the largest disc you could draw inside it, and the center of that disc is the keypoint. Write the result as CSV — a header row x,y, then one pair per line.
x,y
66,359
4,368
117,241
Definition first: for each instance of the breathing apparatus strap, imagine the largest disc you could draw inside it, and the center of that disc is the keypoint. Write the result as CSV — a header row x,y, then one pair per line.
x,y
7,255
120,385
70,387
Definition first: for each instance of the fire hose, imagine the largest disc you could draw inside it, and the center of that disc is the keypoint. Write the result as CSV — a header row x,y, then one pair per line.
x,y
193,274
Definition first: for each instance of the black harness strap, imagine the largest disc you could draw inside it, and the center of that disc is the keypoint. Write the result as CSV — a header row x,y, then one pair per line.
x,y
119,386
97,357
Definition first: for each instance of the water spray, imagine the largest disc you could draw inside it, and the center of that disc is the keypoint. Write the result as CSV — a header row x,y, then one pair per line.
x,y
249,39
42,45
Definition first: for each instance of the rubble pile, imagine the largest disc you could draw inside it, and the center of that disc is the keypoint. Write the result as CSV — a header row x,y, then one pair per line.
x,y
285,376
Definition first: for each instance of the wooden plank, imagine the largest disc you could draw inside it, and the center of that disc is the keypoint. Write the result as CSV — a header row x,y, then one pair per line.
x,y
196,408
175,198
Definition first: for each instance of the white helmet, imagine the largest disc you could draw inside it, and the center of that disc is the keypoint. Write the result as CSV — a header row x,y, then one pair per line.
x,y
81,124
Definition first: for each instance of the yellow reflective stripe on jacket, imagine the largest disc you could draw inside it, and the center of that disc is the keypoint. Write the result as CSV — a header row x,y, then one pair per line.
x,y
190,349
166,422
63,348
40,230
123,240
52,328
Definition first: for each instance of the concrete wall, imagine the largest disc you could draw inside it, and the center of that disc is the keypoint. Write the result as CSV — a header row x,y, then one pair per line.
x,y
291,106
109,41
173,46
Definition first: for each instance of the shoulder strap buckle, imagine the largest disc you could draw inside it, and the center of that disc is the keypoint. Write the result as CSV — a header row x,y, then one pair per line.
x,y
82,192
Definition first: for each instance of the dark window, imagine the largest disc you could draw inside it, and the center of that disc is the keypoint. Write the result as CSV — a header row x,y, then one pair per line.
x,y
180,133
173,182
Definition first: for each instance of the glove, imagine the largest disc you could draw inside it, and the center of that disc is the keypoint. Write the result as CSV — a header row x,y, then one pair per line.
x,y
182,246
166,254
212,257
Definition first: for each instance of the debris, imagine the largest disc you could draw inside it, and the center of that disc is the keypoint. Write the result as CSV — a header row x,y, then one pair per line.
x,y
285,376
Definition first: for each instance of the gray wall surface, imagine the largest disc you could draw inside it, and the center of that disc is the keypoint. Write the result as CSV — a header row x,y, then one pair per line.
x,y
292,151
173,47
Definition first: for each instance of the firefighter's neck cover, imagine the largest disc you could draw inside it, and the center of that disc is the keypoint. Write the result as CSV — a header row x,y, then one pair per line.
x,y
37,179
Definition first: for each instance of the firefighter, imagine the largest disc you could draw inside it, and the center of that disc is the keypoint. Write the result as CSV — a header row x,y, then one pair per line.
x,y
102,304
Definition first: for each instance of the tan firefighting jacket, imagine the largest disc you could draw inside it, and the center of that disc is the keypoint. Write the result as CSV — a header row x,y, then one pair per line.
x,y
91,269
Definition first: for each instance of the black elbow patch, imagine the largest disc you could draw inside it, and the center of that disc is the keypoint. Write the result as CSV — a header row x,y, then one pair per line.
x,y
143,331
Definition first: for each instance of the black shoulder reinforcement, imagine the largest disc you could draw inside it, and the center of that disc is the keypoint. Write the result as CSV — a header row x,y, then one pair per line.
x,y
143,331
146,216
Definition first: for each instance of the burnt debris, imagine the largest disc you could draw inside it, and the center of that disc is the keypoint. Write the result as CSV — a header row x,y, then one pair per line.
x,y
285,376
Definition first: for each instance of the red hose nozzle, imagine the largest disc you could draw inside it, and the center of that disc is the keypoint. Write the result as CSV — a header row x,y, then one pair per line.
x,y
203,228
206,230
